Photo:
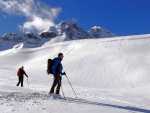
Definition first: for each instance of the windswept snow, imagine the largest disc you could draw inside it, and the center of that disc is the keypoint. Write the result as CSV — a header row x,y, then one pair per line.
x,y
108,75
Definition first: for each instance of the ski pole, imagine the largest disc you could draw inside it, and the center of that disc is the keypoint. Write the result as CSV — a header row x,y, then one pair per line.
x,y
28,82
71,86
62,89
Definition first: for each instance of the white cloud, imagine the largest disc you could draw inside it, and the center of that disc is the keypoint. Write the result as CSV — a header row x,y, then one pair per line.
x,y
38,15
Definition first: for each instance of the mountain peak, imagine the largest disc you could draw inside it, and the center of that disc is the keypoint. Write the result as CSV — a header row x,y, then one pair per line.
x,y
64,29
99,32
96,27
73,31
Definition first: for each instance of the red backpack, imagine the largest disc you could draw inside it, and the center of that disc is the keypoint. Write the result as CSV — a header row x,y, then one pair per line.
x,y
19,72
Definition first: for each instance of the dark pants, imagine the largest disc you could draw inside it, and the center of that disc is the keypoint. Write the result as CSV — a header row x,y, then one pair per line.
x,y
20,80
57,81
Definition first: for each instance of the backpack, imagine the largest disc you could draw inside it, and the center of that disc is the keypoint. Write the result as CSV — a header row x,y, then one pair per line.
x,y
50,63
19,72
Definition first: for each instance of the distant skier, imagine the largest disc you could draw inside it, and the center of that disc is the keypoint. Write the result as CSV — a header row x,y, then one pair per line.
x,y
20,74
57,72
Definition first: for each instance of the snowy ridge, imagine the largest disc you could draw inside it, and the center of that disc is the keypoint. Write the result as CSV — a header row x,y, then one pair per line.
x,y
63,31
7,41
97,32
109,75
73,31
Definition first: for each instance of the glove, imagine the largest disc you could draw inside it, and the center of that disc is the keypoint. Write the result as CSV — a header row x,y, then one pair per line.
x,y
64,73
27,76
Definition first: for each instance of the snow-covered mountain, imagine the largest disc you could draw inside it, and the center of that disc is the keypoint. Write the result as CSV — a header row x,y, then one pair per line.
x,y
61,32
108,75
96,32
73,31
9,40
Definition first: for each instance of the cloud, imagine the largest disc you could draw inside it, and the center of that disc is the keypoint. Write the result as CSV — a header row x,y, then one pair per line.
x,y
38,15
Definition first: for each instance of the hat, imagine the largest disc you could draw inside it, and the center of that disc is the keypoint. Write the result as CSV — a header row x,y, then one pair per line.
x,y
60,54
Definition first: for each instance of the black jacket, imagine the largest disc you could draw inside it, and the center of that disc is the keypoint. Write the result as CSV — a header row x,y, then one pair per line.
x,y
22,72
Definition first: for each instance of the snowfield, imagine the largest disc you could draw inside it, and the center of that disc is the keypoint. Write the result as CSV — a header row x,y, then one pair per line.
x,y
108,75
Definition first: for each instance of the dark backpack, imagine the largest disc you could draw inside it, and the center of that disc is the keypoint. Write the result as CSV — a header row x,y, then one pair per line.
x,y
50,63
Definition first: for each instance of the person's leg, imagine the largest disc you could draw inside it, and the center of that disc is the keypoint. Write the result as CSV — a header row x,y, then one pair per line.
x,y
53,85
19,80
59,85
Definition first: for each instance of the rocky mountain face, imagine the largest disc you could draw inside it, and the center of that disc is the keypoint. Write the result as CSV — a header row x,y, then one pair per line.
x,y
7,41
17,37
73,31
70,31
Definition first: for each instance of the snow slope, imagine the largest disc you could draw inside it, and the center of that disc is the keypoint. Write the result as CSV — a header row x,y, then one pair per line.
x,y
108,75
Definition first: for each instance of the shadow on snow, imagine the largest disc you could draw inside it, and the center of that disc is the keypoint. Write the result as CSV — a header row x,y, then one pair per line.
x,y
83,101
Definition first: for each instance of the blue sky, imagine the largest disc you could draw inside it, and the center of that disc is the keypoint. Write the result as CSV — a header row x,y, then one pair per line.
x,y
122,17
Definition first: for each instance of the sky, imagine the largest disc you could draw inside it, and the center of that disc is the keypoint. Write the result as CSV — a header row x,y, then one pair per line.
x,y
122,17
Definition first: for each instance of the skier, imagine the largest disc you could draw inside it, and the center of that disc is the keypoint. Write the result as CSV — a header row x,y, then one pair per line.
x,y
20,74
57,72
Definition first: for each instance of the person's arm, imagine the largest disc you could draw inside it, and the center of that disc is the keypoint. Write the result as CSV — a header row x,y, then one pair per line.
x,y
60,70
25,74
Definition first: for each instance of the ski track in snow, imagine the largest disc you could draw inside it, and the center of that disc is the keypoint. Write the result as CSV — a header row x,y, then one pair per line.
x,y
107,100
